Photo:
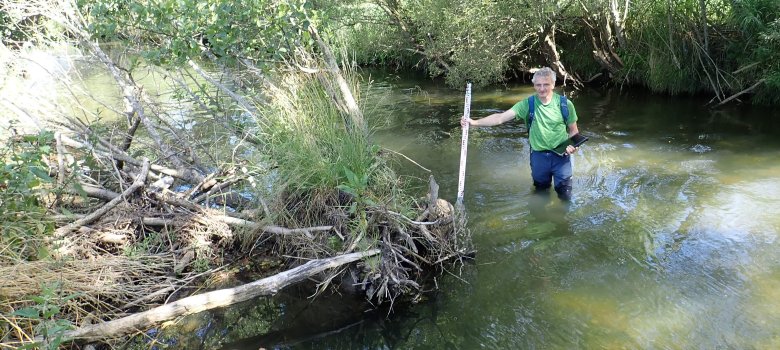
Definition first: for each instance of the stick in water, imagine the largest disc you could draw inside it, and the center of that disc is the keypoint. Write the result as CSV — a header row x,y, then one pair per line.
x,y
464,141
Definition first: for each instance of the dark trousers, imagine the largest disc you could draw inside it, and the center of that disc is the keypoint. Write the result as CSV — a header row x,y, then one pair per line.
x,y
547,166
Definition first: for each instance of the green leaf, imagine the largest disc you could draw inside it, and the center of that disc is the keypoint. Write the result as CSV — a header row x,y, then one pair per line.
x,y
347,189
77,186
351,177
51,311
27,312
30,138
41,174
72,296
67,212
34,345
43,253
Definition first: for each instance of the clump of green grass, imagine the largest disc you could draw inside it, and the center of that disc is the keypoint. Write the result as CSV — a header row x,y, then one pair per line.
x,y
326,170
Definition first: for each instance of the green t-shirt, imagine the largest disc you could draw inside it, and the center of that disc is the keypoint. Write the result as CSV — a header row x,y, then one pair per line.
x,y
547,130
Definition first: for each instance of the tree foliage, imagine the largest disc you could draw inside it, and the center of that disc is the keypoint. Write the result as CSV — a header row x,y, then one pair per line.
x,y
264,31
758,23
672,46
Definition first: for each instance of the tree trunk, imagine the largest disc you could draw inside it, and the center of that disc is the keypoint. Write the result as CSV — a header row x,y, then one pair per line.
x,y
617,21
550,51
602,50
355,114
704,31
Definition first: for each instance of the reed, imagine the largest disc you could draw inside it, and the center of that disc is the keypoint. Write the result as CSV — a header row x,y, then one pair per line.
x,y
315,150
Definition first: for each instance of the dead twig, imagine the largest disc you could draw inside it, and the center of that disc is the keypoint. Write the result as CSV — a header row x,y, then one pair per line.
x,y
218,187
732,97
407,158
138,183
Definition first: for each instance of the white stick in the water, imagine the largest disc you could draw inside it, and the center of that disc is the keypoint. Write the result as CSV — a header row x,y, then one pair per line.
x,y
464,141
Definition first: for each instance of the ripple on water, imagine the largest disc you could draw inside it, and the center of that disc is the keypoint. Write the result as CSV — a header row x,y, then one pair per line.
x,y
706,166
714,276
744,211
699,148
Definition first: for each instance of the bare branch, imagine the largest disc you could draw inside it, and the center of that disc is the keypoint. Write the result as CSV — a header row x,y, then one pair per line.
x,y
138,183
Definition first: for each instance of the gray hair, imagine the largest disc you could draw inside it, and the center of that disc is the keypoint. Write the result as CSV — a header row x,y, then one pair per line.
x,y
544,72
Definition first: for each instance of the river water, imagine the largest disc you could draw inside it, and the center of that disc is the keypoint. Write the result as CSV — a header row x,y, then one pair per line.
x,y
670,242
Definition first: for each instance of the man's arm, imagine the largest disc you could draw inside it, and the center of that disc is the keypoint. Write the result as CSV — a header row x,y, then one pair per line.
x,y
572,128
491,120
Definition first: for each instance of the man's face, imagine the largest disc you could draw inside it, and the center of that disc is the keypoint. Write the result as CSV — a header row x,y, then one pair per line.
x,y
544,87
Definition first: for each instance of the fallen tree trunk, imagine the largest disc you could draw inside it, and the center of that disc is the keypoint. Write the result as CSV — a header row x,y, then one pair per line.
x,y
236,222
93,192
210,300
231,221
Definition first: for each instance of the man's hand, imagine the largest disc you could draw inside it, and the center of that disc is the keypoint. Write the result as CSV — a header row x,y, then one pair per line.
x,y
571,149
466,121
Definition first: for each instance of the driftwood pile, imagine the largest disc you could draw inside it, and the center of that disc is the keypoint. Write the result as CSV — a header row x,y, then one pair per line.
x,y
131,243
136,204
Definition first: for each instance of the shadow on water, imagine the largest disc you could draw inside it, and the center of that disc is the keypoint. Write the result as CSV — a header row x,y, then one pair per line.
x,y
669,241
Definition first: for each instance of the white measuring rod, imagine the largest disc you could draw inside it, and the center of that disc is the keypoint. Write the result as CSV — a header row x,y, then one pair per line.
x,y
464,141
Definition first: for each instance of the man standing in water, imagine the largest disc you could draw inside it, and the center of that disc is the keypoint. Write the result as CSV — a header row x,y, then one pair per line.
x,y
548,128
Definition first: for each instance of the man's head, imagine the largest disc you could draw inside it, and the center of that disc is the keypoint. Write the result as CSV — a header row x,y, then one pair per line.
x,y
544,83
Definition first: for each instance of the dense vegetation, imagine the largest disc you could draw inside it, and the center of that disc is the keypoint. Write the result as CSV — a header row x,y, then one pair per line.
x,y
717,47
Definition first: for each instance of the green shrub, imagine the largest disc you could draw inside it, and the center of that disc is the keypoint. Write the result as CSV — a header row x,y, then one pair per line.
x,y
23,174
